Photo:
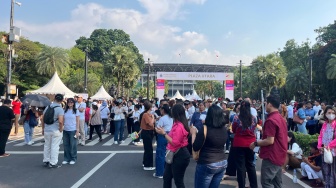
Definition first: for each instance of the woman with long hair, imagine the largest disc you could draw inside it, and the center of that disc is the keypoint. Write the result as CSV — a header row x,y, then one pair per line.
x,y
294,153
243,126
70,132
327,140
95,121
119,118
27,127
147,135
212,159
177,142
165,122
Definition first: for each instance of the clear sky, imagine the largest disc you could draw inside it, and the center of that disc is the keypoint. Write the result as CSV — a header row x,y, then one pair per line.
x,y
177,31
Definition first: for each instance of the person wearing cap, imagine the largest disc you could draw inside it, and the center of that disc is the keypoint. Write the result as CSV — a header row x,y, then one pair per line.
x,y
81,106
104,114
53,133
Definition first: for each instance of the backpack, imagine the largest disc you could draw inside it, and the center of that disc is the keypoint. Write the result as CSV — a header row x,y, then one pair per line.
x,y
49,115
32,119
87,114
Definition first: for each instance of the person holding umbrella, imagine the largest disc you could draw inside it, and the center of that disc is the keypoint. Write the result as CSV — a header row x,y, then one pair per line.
x,y
29,124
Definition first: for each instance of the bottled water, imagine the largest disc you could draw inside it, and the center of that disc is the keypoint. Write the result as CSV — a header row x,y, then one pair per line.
x,y
294,177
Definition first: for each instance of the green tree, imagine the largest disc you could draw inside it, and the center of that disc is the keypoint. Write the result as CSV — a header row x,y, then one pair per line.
x,y
75,81
52,59
268,71
331,67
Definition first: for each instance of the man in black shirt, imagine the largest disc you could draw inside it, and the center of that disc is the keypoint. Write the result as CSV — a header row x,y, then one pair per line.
x,y
6,117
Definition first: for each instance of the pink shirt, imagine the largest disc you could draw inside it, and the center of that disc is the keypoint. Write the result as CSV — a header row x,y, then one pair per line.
x,y
179,137
332,144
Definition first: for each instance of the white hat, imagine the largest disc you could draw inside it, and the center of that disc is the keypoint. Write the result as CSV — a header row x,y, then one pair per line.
x,y
94,103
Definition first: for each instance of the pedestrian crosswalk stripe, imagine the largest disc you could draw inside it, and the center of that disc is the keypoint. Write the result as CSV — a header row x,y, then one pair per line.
x,y
109,143
95,141
127,142
38,144
34,140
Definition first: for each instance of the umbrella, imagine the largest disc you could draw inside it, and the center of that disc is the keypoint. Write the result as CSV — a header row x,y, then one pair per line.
x,y
36,100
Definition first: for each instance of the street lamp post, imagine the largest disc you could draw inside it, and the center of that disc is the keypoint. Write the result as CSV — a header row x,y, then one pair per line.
x,y
311,74
148,79
10,47
240,80
86,70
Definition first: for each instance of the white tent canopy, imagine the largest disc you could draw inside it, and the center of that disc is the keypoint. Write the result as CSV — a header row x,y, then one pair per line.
x,y
178,96
53,87
194,96
101,94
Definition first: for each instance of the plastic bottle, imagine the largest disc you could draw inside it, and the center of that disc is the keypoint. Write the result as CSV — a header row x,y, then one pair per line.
x,y
294,176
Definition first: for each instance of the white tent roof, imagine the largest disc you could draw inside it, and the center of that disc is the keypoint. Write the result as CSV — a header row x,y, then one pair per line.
x,y
101,94
178,96
194,96
54,86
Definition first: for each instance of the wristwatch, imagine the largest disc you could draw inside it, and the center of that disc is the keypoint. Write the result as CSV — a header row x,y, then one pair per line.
x,y
256,143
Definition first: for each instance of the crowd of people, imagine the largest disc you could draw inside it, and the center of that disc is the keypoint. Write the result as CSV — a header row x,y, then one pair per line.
x,y
227,136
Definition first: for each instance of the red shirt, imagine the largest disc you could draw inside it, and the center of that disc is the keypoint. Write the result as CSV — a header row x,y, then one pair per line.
x,y
243,138
179,137
275,126
16,107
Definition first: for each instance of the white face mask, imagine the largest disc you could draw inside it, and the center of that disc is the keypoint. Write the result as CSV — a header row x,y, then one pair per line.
x,y
331,116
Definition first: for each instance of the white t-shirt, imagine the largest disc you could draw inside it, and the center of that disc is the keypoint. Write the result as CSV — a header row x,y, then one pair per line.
x,y
70,120
81,114
296,150
136,116
166,122
290,110
317,108
104,111
254,112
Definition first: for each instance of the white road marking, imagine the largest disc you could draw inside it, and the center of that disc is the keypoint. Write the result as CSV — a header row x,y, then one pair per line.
x,y
109,143
127,142
91,172
299,181
95,141
79,152
34,140
38,144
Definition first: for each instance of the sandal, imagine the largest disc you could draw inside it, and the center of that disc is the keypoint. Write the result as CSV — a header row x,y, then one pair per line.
x,y
5,155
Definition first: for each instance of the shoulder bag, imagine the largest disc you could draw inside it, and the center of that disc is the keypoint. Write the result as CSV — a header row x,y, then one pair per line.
x,y
170,156
297,119
195,154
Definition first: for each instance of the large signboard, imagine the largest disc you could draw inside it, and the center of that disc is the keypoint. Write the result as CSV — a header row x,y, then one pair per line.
x,y
195,76
209,76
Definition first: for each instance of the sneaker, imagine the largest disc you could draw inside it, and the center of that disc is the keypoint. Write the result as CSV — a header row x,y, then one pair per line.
x,y
227,152
45,164
72,162
54,166
155,176
30,143
122,142
65,162
149,168
82,143
115,142
5,155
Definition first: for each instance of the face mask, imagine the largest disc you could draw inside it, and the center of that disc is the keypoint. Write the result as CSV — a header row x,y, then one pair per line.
x,y
331,116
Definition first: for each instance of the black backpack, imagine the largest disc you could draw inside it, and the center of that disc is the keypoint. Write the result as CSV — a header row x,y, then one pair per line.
x,y
48,117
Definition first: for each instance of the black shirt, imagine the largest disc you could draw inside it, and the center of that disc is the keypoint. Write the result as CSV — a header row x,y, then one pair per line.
x,y
213,148
6,116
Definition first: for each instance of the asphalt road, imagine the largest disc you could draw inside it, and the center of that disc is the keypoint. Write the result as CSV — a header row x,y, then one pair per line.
x,y
98,166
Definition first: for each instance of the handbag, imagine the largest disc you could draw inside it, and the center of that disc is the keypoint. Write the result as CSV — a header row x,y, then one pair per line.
x,y
22,119
327,156
195,154
297,119
170,156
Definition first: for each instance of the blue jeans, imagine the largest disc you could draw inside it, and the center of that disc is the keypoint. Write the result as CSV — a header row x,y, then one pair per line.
x,y
302,128
28,131
119,130
160,154
209,175
70,146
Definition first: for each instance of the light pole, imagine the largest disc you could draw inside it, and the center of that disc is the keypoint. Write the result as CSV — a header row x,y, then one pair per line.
x,y
149,64
10,47
86,70
240,80
311,74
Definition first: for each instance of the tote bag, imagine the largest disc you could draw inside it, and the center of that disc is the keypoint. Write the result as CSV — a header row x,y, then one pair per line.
x,y
297,119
